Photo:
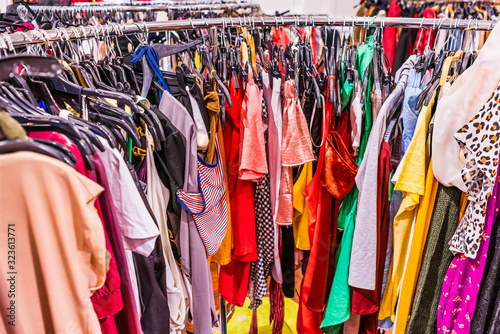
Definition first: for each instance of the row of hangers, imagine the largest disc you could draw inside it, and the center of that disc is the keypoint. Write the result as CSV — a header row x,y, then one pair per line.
x,y
221,57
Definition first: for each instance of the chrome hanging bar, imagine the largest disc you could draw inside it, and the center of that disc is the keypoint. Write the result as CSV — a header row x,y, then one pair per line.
x,y
93,7
40,36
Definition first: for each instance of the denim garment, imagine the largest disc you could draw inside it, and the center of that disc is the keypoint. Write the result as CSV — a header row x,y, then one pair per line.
x,y
410,115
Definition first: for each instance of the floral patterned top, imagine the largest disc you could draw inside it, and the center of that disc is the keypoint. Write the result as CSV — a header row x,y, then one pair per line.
x,y
463,279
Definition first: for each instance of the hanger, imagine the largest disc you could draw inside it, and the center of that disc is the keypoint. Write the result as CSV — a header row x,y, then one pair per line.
x,y
59,147
54,123
17,145
99,128
206,59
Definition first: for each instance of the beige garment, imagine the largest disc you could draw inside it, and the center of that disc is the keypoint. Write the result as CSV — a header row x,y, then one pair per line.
x,y
60,250
458,105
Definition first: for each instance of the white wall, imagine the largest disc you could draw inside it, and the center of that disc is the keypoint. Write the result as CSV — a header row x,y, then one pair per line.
x,y
330,7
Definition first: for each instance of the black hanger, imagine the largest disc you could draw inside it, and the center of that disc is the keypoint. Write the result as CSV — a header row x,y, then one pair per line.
x,y
120,140
58,146
110,120
92,137
205,56
9,92
43,93
99,128
17,145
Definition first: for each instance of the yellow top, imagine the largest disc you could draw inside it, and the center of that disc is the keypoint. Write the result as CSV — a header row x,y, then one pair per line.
x,y
301,209
416,251
411,182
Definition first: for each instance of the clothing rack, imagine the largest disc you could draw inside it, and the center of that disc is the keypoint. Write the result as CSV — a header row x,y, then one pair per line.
x,y
455,1
40,36
155,7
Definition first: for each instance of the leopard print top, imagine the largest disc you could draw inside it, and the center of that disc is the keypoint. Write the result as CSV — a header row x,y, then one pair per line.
x,y
479,140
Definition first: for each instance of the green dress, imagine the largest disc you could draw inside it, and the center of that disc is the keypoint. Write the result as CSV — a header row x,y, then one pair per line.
x,y
338,309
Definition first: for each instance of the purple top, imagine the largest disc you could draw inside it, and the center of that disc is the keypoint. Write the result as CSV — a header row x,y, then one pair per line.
x,y
127,320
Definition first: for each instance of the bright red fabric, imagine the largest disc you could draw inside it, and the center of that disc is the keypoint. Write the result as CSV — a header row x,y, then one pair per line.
x,y
309,321
389,41
233,278
426,36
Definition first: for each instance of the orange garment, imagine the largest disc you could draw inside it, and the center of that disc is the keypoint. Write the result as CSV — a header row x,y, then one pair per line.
x,y
223,255
60,249
253,160
296,149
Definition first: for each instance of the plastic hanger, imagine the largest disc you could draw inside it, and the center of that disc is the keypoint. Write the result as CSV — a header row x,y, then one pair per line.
x,y
58,146
99,128
11,146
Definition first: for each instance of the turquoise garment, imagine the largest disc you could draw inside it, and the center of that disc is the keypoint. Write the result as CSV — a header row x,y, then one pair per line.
x,y
338,309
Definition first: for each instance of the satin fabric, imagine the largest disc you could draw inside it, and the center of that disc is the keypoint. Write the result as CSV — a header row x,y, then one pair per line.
x,y
233,278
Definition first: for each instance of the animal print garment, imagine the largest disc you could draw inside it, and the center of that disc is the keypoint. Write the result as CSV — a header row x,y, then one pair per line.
x,y
479,140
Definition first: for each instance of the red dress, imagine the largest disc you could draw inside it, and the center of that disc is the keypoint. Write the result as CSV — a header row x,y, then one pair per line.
x,y
233,278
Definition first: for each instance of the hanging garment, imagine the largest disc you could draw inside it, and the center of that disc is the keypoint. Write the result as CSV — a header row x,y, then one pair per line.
x,y
356,119
390,39
209,207
409,112
178,296
127,320
47,202
461,284
287,261
411,181
259,270
252,158
415,252
107,301
138,228
223,255
426,37
296,149
469,91
397,198
362,272
486,316
367,302
301,210
479,142
307,320
233,278
193,255
448,208
272,95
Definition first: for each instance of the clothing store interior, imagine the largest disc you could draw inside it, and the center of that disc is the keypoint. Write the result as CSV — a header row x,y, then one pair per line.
x,y
246,166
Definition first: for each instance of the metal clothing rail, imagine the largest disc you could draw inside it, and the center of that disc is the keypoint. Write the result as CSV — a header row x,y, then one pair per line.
x,y
90,8
40,36
163,2
456,1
